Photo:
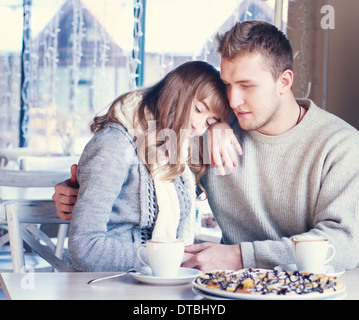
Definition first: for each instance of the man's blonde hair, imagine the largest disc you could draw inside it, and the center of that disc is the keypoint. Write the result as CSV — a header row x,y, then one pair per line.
x,y
258,37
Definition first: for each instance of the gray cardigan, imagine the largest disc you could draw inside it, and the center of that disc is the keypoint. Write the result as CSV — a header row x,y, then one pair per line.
x,y
116,205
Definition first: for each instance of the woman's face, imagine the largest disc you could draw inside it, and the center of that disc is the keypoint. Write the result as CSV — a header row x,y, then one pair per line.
x,y
201,117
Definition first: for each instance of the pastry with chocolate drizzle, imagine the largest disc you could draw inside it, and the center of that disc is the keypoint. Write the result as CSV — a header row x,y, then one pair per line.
x,y
269,282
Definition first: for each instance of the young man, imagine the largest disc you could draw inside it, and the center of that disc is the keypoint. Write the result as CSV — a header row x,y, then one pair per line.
x,y
299,172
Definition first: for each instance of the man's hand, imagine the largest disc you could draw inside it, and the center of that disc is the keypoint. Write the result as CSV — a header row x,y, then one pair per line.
x,y
66,194
222,144
211,256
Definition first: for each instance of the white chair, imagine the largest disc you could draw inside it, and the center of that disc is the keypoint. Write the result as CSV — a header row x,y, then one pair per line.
x,y
10,156
53,163
58,163
3,161
15,153
22,215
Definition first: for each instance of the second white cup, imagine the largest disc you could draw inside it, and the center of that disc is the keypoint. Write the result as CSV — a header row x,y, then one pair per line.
x,y
311,253
164,256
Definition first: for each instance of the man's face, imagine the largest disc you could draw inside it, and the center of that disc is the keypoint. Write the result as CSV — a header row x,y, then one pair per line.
x,y
252,92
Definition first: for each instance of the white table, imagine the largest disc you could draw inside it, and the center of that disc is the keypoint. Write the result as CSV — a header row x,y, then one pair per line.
x,y
73,286
68,286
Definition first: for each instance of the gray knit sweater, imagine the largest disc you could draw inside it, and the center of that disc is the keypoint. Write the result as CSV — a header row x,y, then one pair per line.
x,y
116,205
303,181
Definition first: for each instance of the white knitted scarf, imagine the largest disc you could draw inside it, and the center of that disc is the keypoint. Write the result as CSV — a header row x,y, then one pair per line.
x,y
168,213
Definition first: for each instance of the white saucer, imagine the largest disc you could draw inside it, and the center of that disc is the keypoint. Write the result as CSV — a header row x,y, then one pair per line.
x,y
185,275
214,294
327,269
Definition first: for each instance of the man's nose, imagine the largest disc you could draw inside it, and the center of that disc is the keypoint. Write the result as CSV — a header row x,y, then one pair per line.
x,y
235,98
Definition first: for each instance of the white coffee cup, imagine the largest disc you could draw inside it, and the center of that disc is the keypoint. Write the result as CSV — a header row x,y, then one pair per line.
x,y
311,253
164,256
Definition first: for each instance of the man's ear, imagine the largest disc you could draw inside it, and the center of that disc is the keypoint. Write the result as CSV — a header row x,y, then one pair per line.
x,y
286,81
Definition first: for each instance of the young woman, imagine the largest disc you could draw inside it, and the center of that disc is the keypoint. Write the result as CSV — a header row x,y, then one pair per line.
x,y
137,174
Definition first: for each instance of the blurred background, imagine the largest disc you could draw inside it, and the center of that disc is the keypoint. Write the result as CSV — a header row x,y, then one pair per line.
x,y
64,61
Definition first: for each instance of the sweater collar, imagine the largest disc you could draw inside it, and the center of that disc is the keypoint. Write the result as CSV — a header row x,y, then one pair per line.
x,y
296,133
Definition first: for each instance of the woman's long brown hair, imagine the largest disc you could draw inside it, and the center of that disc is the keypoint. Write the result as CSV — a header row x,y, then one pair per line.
x,y
170,102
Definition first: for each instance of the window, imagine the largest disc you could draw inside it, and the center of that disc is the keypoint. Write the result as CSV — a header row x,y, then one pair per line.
x,y
186,30
79,57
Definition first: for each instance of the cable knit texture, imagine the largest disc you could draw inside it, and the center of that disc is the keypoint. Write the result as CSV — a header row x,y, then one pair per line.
x,y
305,180
116,210
168,216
